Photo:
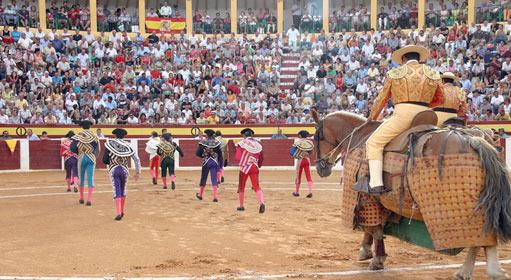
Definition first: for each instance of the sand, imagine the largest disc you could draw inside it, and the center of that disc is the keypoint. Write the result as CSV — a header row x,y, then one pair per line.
x,y
45,232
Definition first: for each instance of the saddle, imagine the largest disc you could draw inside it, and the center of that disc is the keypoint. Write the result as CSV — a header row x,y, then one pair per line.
x,y
456,122
424,121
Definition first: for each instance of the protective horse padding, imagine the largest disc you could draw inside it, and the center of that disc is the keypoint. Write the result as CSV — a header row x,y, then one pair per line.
x,y
447,204
370,211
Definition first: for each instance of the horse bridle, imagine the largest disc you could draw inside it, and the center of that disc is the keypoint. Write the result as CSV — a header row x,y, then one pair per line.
x,y
326,160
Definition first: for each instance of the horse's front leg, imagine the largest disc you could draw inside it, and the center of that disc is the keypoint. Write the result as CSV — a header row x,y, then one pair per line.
x,y
495,272
465,271
379,249
365,252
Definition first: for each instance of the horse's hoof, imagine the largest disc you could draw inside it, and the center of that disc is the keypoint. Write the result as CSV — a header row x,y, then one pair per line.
x,y
377,263
460,275
364,255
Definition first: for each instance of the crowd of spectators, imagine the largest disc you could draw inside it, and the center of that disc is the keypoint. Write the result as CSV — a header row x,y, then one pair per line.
x,y
260,21
218,24
119,19
50,78
19,13
63,15
307,17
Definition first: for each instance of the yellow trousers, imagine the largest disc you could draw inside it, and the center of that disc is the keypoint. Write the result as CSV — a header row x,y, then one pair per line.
x,y
399,122
444,116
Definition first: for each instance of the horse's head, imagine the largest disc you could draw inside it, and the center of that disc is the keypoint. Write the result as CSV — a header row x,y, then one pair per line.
x,y
331,138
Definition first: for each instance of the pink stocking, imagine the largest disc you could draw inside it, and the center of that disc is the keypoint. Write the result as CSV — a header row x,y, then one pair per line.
x,y
172,178
215,192
297,189
153,173
118,206
260,197
68,183
89,194
242,198
75,181
201,190
81,192
310,186
164,180
123,202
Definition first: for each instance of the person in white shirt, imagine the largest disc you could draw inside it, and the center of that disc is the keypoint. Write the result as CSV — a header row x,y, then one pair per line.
x,y
132,119
506,65
166,10
4,119
83,59
293,36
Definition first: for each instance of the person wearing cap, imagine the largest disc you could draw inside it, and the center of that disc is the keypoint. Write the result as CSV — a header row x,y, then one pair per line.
x,y
210,151
224,147
70,161
151,147
249,154
166,150
413,87
454,104
301,151
86,145
117,158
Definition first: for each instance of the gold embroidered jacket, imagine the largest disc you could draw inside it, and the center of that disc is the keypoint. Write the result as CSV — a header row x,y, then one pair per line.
x,y
411,82
454,98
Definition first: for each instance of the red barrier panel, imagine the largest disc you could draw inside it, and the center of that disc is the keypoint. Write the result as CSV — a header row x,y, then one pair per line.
x,y
189,148
8,160
44,154
142,154
99,159
276,152
231,153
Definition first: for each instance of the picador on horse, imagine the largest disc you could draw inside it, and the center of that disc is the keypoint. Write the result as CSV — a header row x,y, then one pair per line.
x,y
420,175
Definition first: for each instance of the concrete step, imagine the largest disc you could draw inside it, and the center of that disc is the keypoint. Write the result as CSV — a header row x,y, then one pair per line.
x,y
289,69
288,76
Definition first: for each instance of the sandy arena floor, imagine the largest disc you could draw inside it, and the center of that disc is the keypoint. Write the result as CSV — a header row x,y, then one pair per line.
x,y
45,232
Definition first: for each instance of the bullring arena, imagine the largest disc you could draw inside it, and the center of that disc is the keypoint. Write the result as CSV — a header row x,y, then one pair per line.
x,y
301,83
169,234
45,232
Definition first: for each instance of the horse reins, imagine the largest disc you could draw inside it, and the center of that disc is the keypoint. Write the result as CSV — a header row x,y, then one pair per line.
x,y
349,137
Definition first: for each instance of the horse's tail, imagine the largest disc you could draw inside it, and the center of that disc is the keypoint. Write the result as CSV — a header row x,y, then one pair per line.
x,y
495,199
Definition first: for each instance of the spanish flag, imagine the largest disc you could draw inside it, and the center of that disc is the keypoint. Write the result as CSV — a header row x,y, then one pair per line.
x,y
165,25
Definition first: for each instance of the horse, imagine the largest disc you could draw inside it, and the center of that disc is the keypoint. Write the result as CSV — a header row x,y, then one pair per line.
x,y
338,134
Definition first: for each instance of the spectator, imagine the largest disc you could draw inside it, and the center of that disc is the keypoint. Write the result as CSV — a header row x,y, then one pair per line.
x,y
44,136
31,136
5,135
279,135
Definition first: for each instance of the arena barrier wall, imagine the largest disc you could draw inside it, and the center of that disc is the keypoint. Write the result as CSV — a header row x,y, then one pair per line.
x,y
44,154
185,131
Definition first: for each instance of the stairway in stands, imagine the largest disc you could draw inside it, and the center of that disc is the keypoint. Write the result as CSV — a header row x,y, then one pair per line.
x,y
289,70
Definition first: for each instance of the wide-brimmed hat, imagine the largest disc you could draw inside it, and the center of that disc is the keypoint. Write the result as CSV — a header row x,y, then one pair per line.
x,y
450,75
397,56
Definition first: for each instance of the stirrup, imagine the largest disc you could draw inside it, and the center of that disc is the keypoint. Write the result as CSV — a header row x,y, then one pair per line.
x,y
362,185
